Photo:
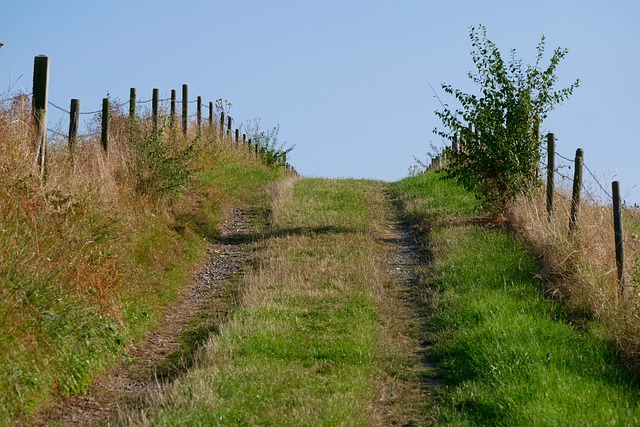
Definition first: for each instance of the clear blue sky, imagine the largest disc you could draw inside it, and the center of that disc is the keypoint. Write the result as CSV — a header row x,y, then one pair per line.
x,y
347,81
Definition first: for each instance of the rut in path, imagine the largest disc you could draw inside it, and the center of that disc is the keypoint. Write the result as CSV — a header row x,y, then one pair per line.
x,y
152,360
398,261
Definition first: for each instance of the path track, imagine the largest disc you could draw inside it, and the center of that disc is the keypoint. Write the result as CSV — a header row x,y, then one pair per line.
x,y
209,299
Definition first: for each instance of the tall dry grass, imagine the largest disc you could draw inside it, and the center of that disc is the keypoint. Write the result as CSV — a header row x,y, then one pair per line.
x,y
580,268
88,256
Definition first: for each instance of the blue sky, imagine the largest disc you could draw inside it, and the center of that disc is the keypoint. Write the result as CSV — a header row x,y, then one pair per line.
x,y
347,81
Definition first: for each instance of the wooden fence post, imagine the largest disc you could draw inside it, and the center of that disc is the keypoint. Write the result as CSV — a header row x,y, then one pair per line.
x,y
106,113
155,100
221,124
132,104
210,114
74,118
172,111
577,188
551,167
244,139
454,143
185,109
132,113
40,102
237,136
229,121
618,234
199,113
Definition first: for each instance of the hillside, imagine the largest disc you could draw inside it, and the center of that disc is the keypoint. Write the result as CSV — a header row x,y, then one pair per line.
x,y
197,280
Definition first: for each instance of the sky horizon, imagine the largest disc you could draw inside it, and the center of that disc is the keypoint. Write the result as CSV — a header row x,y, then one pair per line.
x,y
349,83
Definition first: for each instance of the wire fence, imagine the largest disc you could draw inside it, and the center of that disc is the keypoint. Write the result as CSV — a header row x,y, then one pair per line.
x,y
605,197
162,103
98,126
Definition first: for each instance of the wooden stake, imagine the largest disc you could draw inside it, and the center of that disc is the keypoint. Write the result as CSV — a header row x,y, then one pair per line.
x,y
551,167
577,188
132,104
199,113
40,102
106,113
74,118
155,101
185,110
172,116
618,234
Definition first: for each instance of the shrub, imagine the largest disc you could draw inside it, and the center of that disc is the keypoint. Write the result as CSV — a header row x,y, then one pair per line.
x,y
162,167
500,152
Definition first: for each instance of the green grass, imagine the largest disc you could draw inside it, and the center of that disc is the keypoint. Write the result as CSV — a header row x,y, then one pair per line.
x,y
503,355
80,279
302,348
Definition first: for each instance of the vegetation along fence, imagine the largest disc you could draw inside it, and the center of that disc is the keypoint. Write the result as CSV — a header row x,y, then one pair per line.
x,y
613,196
223,121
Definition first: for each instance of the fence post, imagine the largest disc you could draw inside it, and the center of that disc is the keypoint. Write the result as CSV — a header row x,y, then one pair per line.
x,y
132,112
172,112
40,101
106,112
199,113
155,100
210,114
132,104
74,118
577,188
454,143
229,120
244,139
618,234
185,109
221,124
237,136
551,166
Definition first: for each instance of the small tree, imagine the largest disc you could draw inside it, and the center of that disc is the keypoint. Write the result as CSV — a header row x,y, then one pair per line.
x,y
498,131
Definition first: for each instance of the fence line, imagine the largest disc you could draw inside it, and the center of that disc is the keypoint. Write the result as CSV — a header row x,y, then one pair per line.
x,y
613,196
39,99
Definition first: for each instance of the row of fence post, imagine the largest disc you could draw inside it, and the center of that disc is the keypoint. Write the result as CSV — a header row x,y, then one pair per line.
x,y
576,198
40,104
458,143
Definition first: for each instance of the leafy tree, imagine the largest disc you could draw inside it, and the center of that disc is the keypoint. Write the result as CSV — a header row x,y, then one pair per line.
x,y
499,154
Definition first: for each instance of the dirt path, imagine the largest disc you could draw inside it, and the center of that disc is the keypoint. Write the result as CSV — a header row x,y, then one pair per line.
x,y
205,304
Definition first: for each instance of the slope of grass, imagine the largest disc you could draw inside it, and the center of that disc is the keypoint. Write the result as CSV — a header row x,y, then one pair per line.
x,y
88,260
503,354
303,348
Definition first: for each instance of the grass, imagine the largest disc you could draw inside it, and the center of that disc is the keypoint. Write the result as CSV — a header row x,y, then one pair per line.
x,y
306,345
89,260
503,354
580,269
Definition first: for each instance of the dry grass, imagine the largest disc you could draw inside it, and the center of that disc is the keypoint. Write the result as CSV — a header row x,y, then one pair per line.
x,y
580,270
87,259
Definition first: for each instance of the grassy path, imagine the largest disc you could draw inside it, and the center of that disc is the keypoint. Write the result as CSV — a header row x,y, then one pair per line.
x,y
321,337
326,332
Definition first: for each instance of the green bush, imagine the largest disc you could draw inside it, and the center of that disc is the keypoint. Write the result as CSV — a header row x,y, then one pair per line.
x,y
500,153
163,167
